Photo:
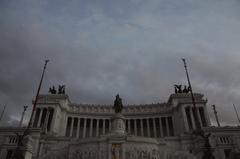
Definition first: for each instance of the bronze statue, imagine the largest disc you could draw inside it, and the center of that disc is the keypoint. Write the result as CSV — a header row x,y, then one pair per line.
x,y
61,89
175,88
118,104
52,90
186,89
178,89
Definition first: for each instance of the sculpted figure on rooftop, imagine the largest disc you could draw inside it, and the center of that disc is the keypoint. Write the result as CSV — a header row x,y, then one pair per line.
x,y
178,89
61,89
52,90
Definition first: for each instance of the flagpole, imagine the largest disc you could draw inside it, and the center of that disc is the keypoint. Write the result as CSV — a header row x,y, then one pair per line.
x,y
30,124
23,114
236,113
207,153
216,116
2,112
198,126
19,153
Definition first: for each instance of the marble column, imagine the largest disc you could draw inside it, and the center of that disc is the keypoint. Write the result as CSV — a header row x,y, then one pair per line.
x,y
167,126
66,126
185,118
148,128
103,126
206,116
78,127
40,117
97,129
33,117
199,117
54,117
192,118
135,127
141,123
71,128
129,126
91,127
110,125
154,127
46,120
84,127
160,127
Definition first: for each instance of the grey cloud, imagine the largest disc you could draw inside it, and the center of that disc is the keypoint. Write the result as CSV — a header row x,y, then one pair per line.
x,y
133,48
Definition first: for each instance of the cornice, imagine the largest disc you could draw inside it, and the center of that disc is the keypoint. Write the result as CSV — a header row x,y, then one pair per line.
x,y
127,110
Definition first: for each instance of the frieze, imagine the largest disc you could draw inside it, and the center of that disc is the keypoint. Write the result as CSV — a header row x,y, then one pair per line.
x,y
56,154
146,153
88,151
132,151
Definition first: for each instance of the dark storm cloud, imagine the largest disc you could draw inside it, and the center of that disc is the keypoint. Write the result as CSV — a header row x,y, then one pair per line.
x,y
100,48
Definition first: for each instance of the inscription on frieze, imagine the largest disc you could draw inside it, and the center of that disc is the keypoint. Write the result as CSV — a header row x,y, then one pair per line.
x,y
155,153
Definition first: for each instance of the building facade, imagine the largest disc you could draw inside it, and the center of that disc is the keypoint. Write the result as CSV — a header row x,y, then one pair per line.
x,y
64,130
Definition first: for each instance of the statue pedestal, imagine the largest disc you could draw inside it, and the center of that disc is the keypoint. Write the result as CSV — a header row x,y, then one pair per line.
x,y
118,124
117,137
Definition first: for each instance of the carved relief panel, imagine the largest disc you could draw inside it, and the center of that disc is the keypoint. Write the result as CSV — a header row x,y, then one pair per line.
x,y
88,151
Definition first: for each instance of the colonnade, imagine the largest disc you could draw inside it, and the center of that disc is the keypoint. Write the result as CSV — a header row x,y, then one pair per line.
x,y
85,127
42,118
190,117
150,127
146,127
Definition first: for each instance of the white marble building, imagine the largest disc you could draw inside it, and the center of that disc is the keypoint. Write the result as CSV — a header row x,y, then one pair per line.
x,y
64,130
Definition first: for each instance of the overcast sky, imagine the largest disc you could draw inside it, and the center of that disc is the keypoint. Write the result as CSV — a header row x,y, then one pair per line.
x,y
98,48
